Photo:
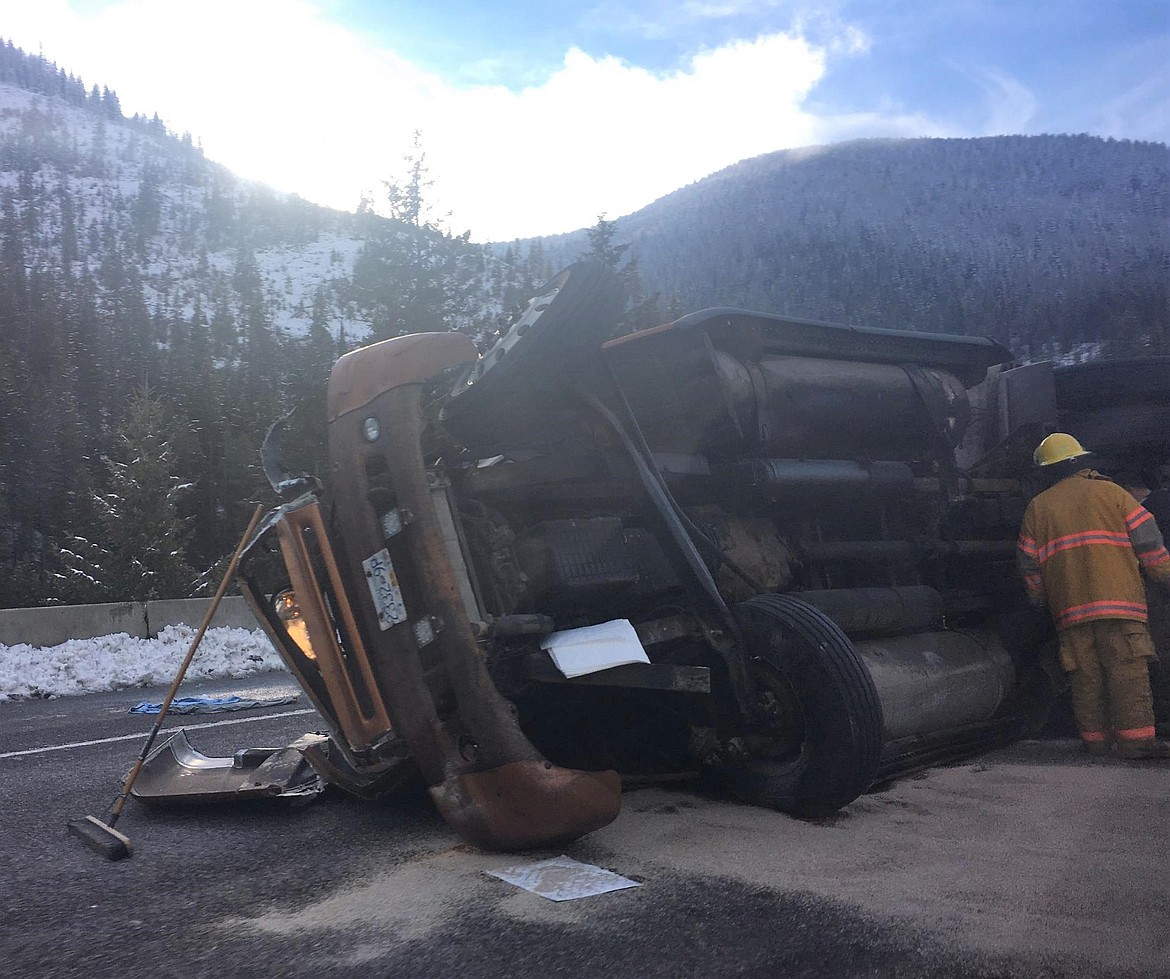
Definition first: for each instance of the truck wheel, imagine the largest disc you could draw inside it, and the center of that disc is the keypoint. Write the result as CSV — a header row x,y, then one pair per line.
x,y
823,749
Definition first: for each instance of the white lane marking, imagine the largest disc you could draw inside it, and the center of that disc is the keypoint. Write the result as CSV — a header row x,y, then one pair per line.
x,y
140,736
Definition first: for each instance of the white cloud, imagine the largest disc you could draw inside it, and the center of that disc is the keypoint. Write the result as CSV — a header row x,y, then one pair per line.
x,y
604,136
1011,105
676,19
277,93
270,87
1144,107
889,122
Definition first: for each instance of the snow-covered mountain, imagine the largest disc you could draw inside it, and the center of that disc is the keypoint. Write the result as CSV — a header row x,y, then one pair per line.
x,y
1048,243
157,313
82,184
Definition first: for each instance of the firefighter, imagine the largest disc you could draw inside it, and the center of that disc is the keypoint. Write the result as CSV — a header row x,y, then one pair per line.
x,y
1083,545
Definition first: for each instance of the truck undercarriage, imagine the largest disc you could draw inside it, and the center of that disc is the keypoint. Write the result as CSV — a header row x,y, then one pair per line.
x,y
808,528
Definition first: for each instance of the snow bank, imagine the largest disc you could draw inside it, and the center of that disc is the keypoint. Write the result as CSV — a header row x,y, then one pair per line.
x,y
115,662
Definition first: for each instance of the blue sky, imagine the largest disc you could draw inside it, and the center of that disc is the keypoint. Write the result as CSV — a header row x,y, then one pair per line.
x,y
538,116
1096,66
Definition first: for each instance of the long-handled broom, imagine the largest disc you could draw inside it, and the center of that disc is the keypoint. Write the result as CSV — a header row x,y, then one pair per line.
x,y
100,834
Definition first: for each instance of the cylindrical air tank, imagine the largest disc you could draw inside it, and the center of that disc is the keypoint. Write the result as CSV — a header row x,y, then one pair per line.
x,y
935,681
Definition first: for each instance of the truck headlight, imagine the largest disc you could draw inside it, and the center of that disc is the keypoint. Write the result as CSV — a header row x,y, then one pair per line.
x,y
289,612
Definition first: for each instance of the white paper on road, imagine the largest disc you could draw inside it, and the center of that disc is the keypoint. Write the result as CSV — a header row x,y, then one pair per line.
x,y
595,647
563,879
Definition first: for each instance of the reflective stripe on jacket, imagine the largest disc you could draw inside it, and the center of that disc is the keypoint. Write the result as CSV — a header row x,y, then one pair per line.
x,y
1083,545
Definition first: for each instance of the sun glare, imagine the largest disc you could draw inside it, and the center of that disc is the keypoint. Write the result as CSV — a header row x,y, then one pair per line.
x,y
277,94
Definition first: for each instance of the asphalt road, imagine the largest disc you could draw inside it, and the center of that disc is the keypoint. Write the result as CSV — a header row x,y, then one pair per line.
x,y
1031,862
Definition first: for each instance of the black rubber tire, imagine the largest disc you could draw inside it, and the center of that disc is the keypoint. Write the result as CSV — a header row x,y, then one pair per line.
x,y
841,715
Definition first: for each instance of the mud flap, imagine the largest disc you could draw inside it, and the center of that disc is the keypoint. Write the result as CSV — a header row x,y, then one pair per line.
x,y
527,804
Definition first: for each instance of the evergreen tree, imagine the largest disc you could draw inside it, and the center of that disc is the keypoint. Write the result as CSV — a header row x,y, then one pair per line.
x,y
602,245
110,103
144,535
322,348
413,275
81,575
147,210
641,311
223,330
69,248
536,264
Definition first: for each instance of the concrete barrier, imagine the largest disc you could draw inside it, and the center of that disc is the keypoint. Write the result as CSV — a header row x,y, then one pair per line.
x,y
55,624
234,612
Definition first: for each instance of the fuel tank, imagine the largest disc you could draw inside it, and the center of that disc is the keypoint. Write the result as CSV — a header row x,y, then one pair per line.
x,y
812,407
937,681
750,384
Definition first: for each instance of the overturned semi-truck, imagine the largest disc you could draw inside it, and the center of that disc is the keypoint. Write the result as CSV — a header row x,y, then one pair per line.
x,y
795,540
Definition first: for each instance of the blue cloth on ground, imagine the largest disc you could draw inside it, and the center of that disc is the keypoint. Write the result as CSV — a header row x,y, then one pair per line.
x,y
210,705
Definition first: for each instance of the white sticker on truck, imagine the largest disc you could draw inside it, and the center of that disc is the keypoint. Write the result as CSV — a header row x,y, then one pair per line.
x,y
384,589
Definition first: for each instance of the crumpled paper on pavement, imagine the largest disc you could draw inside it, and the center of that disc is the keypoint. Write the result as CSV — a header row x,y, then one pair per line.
x,y
563,879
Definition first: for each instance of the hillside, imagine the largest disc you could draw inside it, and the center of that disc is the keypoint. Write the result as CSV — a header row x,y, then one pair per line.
x,y
156,315
1044,242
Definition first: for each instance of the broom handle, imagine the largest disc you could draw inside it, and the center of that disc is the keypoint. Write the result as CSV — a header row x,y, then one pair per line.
x,y
131,778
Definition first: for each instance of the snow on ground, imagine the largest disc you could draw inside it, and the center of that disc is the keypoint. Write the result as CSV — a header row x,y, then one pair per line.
x,y
115,662
295,273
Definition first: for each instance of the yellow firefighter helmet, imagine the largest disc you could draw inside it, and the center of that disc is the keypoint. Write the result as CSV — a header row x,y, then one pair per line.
x,y
1058,447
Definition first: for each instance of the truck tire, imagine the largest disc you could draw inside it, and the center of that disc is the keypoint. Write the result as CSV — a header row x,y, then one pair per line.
x,y
828,740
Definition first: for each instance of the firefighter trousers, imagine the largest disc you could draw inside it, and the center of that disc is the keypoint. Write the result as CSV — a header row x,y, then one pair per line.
x,y
1108,665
